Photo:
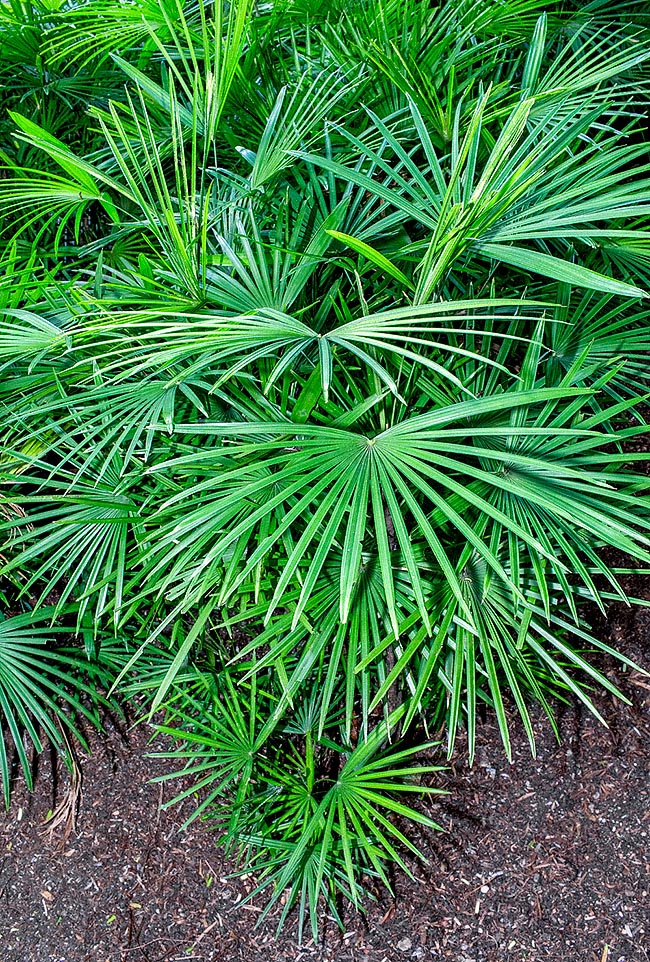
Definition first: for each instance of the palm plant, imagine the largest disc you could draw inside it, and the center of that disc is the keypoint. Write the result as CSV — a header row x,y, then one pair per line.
x,y
307,814
323,331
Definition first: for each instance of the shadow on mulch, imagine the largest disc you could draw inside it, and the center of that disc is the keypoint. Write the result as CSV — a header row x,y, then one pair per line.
x,y
548,858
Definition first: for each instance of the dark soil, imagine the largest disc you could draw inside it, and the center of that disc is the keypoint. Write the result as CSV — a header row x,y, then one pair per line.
x,y
548,858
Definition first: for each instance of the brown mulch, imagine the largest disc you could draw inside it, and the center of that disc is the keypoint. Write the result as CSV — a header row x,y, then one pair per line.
x,y
548,858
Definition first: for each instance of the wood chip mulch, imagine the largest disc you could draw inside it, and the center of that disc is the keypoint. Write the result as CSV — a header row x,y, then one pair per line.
x,y
547,858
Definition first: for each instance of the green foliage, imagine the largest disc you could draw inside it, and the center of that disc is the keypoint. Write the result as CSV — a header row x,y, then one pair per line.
x,y
44,688
309,815
323,331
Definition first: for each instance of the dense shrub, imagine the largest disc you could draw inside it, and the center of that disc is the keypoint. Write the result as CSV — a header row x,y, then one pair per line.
x,y
322,332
